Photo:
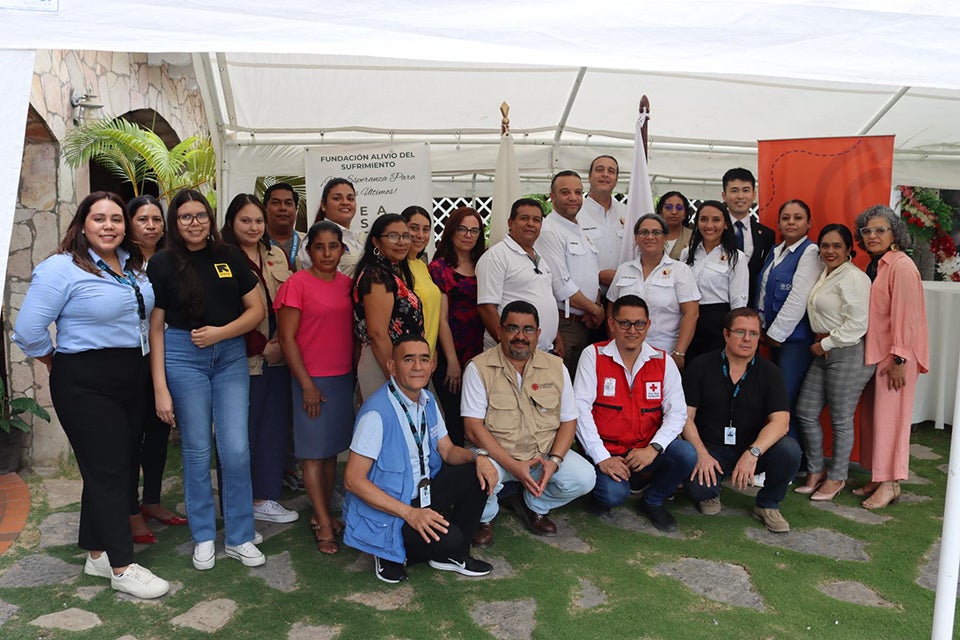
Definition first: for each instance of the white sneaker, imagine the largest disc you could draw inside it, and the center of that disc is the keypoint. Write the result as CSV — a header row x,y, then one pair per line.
x,y
99,567
247,553
257,537
204,555
273,511
140,582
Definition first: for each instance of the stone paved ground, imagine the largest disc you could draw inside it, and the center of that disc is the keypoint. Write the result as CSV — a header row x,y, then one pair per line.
x,y
726,583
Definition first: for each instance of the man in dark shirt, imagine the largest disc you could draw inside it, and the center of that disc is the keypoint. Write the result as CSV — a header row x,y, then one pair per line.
x,y
737,420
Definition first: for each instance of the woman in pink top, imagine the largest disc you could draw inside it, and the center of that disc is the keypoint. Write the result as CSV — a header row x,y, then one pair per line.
x,y
897,343
314,311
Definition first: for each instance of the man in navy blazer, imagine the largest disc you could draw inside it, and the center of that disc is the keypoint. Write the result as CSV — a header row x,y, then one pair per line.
x,y
754,239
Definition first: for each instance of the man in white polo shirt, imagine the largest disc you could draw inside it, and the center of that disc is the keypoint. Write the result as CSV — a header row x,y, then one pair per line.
x,y
573,257
602,216
513,270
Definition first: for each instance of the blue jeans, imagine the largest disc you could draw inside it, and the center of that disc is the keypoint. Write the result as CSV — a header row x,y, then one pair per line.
x,y
211,386
780,462
574,479
793,358
663,475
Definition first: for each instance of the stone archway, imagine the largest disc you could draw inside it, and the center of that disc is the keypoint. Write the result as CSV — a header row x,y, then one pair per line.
x,y
34,237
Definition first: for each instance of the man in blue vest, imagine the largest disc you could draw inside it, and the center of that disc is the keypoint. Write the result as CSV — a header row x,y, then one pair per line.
x,y
412,495
632,408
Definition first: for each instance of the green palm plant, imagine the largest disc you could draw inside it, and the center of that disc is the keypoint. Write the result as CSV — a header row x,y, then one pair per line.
x,y
138,155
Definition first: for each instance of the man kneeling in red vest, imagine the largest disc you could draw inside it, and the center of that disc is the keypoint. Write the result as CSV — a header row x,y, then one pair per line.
x,y
631,405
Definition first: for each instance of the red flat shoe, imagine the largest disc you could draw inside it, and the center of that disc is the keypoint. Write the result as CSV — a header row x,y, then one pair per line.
x,y
146,538
172,521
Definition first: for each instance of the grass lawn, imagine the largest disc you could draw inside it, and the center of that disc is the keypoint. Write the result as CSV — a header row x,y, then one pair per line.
x,y
640,602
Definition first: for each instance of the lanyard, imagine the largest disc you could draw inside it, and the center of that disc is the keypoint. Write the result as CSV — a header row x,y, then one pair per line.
x,y
130,281
295,245
417,437
725,366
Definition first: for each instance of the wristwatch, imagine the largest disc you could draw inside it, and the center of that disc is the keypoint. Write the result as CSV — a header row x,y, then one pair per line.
x,y
557,460
480,452
897,360
657,447
755,452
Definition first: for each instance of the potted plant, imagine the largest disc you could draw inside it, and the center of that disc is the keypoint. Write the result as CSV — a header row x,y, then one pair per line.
x,y
13,426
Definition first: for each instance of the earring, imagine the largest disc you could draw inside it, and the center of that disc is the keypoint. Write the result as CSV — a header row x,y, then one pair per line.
x,y
376,251
894,247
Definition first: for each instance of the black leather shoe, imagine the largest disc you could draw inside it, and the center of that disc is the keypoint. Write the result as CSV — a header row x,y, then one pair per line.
x,y
658,515
539,525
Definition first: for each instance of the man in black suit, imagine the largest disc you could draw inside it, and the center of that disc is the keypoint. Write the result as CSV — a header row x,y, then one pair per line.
x,y
754,239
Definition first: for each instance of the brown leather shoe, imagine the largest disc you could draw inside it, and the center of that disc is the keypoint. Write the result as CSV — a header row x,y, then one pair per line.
x,y
539,525
483,537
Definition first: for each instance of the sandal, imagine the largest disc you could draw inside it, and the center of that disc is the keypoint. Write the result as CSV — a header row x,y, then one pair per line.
x,y
866,490
874,502
326,545
338,526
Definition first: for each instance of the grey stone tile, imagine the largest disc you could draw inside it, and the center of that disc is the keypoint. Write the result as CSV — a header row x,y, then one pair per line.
x,y
38,571
71,619
209,616
506,619
817,542
854,592
718,581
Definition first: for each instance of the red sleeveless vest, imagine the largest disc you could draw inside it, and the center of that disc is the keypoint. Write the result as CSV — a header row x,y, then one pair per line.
x,y
628,418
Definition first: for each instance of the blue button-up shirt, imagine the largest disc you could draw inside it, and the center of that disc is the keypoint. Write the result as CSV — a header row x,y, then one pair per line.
x,y
91,311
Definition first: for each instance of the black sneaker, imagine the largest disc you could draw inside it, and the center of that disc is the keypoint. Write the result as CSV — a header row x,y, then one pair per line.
x,y
469,567
658,515
388,571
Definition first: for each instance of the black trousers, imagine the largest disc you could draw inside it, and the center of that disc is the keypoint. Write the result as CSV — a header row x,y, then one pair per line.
x,y
449,403
151,454
98,396
456,493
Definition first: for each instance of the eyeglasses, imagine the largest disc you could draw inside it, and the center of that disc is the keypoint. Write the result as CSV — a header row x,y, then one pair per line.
x,y
186,219
528,330
639,325
871,231
656,233
395,237
743,333
468,231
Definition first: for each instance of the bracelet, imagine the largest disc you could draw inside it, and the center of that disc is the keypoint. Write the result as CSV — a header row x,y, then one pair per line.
x,y
677,353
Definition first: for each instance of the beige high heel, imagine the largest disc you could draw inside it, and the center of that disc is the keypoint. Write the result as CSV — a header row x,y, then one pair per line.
x,y
894,498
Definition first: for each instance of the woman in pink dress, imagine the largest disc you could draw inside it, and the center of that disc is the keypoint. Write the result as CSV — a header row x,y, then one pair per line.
x,y
896,342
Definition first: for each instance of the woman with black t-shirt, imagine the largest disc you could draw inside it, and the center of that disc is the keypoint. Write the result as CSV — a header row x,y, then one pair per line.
x,y
207,297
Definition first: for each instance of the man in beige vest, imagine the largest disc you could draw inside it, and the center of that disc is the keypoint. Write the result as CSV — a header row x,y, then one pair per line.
x,y
519,409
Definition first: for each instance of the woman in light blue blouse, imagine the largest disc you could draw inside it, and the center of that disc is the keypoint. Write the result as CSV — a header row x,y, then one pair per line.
x,y
96,292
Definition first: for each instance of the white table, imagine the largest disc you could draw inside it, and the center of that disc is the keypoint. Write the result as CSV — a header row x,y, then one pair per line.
x,y
937,390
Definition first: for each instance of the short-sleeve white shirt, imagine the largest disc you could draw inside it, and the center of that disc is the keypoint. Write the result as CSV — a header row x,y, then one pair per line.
x,y
717,281
605,228
669,285
573,257
506,273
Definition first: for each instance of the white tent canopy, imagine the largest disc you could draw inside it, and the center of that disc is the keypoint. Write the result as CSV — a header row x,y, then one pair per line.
x,y
720,76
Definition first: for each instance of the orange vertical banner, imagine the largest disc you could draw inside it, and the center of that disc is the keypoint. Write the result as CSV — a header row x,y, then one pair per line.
x,y
838,178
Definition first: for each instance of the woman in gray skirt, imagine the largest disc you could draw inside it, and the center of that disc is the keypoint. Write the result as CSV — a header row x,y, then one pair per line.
x,y
315,317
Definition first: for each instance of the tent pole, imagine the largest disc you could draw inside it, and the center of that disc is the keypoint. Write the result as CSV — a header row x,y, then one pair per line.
x,y
894,99
945,603
574,90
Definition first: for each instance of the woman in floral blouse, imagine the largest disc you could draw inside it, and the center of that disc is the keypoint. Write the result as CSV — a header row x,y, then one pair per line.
x,y
384,304
454,271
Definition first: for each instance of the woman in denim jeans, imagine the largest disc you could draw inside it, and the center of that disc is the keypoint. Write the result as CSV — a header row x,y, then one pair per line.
x,y
208,300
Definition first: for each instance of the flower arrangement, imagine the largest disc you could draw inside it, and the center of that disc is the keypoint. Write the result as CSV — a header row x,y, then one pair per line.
x,y
930,220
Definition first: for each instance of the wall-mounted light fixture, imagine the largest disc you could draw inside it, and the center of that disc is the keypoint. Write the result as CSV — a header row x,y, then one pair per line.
x,y
81,103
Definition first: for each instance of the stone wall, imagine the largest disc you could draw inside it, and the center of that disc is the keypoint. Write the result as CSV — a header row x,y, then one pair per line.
x,y
50,189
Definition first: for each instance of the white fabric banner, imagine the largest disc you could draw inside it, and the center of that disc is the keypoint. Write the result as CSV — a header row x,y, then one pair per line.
x,y
640,195
15,89
506,189
388,177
